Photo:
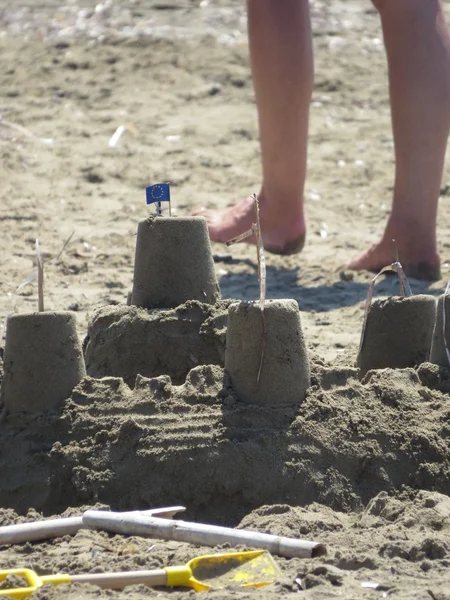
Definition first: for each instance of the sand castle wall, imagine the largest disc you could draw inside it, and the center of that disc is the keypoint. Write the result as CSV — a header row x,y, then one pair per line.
x,y
126,341
196,444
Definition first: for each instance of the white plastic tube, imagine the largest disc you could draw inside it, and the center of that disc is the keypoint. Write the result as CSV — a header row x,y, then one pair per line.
x,y
52,528
200,534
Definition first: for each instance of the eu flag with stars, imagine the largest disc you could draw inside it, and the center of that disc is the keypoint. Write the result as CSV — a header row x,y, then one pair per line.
x,y
160,192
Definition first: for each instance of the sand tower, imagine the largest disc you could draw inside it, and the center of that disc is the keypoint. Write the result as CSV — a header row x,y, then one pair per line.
x,y
43,361
173,263
266,356
398,333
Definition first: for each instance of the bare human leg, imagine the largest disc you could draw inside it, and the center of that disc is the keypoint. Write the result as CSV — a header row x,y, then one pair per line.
x,y
418,50
281,57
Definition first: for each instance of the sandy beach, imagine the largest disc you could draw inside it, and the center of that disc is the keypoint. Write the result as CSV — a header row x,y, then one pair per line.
x,y
363,465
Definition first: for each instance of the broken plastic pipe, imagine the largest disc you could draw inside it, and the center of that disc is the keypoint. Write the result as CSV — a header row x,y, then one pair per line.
x,y
52,528
200,534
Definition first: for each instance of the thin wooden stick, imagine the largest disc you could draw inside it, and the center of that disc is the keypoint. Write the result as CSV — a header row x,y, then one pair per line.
x,y
40,278
444,323
39,274
262,283
24,131
261,258
397,261
404,285
65,245
241,237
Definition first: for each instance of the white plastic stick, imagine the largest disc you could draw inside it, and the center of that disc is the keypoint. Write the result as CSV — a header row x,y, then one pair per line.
x,y
52,528
116,136
200,534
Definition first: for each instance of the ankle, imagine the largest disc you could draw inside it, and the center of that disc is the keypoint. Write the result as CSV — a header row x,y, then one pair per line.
x,y
415,240
281,206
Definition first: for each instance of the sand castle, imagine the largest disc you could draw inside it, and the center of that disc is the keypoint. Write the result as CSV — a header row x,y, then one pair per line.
x,y
180,378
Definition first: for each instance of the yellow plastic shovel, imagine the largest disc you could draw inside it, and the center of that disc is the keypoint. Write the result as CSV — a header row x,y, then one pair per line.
x,y
248,569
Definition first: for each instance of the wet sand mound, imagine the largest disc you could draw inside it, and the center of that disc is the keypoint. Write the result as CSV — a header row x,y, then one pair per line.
x,y
196,444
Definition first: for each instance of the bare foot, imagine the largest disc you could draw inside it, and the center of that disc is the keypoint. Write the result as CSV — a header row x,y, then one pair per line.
x,y
425,265
282,233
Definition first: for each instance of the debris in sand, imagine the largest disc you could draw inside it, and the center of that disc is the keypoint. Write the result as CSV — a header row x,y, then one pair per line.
x,y
115,138
23,132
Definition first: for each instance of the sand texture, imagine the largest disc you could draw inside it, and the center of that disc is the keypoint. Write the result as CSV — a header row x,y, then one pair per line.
x,y
127,341
362,465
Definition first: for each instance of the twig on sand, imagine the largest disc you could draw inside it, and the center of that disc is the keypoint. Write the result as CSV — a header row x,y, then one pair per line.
x,y
397,260
40,263
261,258
262,281
241,237
24,131
444,323
39,274
64,246
405,290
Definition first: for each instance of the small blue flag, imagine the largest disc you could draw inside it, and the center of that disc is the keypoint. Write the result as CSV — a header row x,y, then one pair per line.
x,y
160,192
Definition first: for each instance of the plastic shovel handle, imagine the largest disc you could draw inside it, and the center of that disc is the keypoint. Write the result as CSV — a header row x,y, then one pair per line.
x,y
200,534
52,528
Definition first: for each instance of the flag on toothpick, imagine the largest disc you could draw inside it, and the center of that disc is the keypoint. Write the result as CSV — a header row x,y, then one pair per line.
x,y
160,192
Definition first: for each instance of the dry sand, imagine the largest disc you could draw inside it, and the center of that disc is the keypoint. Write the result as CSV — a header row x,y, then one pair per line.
x,y
362,466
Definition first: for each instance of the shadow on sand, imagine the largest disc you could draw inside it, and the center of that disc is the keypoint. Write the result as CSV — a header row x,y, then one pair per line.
x,y
286,283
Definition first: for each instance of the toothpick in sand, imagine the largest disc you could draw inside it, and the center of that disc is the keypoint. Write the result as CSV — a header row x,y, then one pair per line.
x,y
261,258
